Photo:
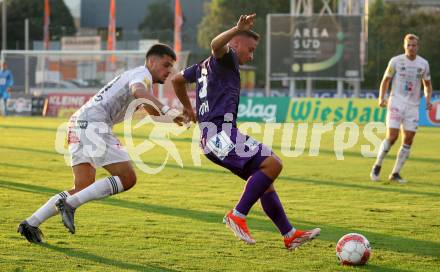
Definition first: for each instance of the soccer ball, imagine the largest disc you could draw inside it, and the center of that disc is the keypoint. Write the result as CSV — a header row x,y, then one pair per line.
x,y
353,249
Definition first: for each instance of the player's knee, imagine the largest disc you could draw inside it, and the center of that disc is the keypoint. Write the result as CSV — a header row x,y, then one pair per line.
x,y
278,165
128,180
272,167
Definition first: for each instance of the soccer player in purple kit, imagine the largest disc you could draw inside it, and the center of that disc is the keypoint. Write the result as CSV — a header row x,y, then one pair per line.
x,y
217,97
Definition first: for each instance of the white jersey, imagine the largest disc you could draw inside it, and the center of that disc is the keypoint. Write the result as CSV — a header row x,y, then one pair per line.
x,y
111,102
407,78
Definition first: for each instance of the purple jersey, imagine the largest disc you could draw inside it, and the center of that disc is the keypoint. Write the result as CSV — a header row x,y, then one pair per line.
x,y
218,88
217,98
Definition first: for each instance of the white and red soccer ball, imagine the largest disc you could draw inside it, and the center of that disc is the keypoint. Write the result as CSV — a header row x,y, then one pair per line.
x,y
353,249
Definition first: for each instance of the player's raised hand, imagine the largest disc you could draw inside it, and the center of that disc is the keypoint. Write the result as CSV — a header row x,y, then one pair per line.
x,y
246,22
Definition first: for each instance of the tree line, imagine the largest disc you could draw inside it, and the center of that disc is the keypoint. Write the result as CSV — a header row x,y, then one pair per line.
x,y
387,25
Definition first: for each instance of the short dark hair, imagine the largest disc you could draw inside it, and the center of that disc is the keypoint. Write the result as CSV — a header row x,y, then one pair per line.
x,y
161,49
249,33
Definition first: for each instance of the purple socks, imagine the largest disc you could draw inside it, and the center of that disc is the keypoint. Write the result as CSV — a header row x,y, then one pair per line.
x,y
255,187
274,210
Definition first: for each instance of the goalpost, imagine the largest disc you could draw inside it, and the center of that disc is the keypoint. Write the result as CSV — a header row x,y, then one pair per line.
x,y
80,71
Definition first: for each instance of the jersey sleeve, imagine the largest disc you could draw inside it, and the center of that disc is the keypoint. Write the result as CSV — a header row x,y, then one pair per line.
x,y
391,69
143,78
190,73
427,73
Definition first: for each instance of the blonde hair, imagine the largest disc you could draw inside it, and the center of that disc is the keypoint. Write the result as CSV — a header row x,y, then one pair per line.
x,y
410,37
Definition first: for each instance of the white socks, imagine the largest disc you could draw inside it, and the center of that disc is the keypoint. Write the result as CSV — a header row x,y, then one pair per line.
x,y
290,233
238,214
97,190
46,211
383,150
401,158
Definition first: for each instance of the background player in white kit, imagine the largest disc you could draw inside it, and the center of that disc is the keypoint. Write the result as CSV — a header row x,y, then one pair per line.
x,y
406,71
106,108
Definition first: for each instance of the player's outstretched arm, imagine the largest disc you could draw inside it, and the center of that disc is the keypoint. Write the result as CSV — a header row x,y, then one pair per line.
x,y
219,43
139,91
179,85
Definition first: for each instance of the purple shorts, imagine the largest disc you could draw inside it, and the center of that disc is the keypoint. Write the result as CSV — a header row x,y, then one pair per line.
x,y
239,153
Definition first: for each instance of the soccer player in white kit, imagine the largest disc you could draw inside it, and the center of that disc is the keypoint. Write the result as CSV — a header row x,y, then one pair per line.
x,y
107,108
407,72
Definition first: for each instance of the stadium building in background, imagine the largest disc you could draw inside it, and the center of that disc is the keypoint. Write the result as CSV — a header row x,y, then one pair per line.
x,y
91,19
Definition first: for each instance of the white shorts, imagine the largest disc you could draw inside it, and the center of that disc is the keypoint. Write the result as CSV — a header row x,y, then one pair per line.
x,y
401,114
94,143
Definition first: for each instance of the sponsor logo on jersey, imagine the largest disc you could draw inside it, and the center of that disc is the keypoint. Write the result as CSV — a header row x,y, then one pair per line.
x,y
82,123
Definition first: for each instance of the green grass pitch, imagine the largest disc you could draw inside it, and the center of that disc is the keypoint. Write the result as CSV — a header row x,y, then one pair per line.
x,y
172,221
